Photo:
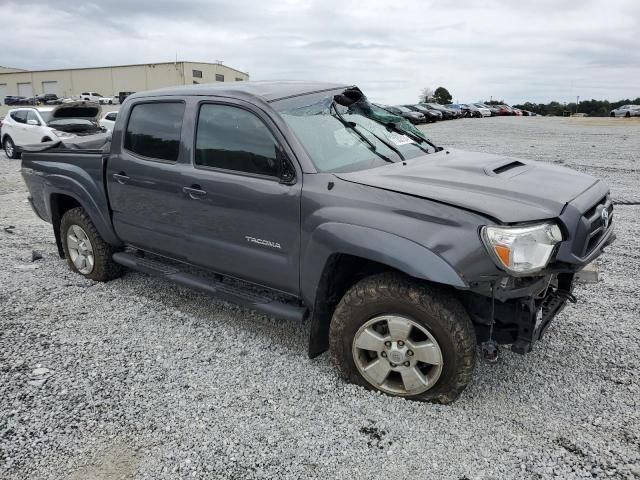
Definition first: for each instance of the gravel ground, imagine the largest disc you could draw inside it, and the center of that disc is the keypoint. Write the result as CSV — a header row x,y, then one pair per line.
x,y
139,378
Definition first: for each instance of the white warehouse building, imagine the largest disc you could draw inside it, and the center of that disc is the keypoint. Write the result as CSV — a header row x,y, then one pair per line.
x,y
113,80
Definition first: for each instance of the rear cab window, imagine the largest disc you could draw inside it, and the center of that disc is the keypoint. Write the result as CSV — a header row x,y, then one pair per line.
x,y
154,130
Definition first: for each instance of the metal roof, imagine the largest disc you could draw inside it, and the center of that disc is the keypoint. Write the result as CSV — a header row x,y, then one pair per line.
x,y
268,91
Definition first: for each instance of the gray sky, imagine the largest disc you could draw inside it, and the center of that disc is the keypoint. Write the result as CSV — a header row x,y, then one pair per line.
x,y
536,50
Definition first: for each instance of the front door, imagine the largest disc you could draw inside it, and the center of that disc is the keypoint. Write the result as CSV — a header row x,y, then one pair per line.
x,y
244,219
145,182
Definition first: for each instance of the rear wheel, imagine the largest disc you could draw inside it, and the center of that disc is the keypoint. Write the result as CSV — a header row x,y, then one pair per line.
x,y
86,252
628,115
404,338
10,147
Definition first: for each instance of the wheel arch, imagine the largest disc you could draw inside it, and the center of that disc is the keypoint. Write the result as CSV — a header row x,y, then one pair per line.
x,y
339,255
61,202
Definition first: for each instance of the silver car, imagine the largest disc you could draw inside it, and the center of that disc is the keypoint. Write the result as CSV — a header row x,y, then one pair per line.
x,y
626,111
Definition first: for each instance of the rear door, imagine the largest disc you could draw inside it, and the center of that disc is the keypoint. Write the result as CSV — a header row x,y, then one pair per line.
x,y
144,178
244,219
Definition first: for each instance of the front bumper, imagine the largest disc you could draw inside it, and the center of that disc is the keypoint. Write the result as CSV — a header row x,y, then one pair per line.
x,y
518,311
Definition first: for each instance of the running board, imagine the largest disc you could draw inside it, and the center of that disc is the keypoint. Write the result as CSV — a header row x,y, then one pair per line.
x,y
230,293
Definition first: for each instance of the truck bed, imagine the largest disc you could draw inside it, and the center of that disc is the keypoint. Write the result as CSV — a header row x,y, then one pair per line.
x,y
71,175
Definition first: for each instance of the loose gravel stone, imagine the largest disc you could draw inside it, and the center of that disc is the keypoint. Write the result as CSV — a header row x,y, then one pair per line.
x,y
148,380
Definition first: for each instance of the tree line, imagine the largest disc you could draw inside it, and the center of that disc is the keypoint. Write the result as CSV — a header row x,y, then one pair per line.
x,y
592,108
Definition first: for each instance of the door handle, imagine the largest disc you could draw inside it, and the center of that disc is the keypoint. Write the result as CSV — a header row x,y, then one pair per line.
x,y
121,178
194,191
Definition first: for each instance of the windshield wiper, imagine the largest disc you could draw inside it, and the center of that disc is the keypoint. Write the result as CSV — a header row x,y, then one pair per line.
x,y
352,127
388,145
412,136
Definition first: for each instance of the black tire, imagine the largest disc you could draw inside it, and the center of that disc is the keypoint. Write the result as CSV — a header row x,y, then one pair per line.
x,y
104,268
428,305
9,146
628,115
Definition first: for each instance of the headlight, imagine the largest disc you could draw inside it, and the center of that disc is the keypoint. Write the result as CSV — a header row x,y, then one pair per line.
x,y
61,134
522,250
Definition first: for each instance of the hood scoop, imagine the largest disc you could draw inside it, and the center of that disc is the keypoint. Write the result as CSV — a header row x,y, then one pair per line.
x,y
507,167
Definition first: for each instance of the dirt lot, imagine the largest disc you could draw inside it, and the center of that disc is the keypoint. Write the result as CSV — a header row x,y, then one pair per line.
x,y
148,380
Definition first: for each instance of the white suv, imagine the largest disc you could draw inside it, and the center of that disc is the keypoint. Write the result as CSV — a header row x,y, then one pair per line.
x,y
90,96
29,125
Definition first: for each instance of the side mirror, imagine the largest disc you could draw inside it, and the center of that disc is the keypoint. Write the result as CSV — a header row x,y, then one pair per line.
x,y
33,122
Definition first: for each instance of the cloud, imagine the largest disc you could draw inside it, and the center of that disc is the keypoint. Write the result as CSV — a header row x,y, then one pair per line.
x,y
511,50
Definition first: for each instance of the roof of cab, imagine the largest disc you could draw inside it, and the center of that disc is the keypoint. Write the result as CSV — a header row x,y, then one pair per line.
x,y
269,91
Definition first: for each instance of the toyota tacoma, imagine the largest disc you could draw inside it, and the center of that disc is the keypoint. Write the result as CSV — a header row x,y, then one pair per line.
x,y
304,200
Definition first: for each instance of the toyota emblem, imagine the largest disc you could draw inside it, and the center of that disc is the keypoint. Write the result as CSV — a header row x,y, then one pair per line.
x,y
605,218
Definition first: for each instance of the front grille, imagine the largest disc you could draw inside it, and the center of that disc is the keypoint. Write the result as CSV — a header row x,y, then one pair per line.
x,y
594,223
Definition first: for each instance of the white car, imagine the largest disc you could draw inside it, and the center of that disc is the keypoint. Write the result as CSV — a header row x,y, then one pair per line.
x,y
109,100
626,111
484,110
31,125
109,120
90,96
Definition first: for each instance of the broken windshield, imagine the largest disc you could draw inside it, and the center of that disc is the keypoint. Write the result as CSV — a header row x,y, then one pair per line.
x,y
341,131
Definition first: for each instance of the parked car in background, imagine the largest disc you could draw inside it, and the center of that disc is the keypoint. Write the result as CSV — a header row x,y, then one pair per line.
x,y
12,99
90,96
516,111
482,108
29,125
109,120
48,99
504,110
447,113
465,110
109,100
413,117
429,115
626,111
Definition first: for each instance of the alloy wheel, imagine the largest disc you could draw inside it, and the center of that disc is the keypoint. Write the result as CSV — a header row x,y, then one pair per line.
x,y
80,249
397,355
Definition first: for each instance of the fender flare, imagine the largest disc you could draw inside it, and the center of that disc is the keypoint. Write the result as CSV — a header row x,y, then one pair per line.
x,y
372,244
70,187
379,246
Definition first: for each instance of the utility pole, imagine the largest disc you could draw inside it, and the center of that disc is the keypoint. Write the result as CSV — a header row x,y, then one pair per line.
x,y
577,102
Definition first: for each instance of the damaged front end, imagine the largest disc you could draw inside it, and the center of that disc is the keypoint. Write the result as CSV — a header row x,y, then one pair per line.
x,y
518,311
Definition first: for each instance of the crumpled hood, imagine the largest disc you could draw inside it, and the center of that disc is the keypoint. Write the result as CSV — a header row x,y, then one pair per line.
x,y
507,189
84,110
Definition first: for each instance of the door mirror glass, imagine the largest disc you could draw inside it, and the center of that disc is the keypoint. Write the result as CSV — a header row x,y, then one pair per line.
x,y
33,122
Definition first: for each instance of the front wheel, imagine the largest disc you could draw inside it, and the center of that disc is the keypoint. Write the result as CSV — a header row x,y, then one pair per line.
x,y
10,149
404,338
86,252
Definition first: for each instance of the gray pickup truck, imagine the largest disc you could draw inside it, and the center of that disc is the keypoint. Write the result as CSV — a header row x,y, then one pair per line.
x,y
301,199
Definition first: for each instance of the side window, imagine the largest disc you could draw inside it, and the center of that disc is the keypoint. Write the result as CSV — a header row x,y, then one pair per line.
x,y
20,116
232,138
31,115
112,117
219,77
154,130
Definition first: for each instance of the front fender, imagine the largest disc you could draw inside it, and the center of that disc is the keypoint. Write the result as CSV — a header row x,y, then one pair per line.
x,y
383,247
